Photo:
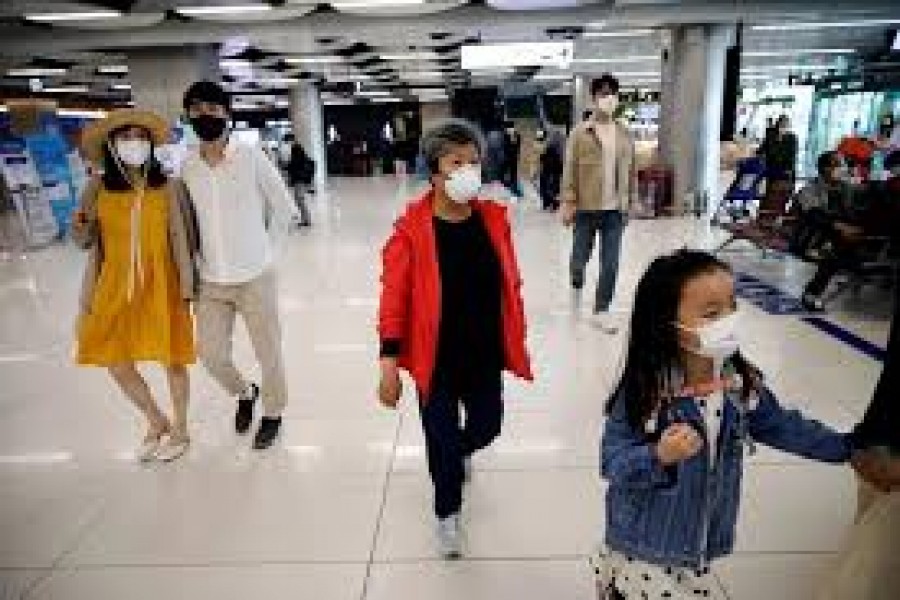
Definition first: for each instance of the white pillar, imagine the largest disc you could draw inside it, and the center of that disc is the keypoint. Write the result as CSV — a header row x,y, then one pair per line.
x,y
580,98
160,76
308,124
693,72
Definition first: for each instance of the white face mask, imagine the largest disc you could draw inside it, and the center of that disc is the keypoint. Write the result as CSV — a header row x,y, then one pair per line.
x,y
134,153
464,184
718,339
607,104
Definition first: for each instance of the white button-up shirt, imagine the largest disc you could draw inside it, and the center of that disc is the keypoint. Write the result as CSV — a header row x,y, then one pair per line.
x,y
238,202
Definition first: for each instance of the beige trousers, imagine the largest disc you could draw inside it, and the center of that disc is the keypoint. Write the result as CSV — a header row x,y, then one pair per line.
x,y
256,301
868,566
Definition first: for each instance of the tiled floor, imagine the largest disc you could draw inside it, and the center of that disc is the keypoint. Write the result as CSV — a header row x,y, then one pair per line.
x,y
340,509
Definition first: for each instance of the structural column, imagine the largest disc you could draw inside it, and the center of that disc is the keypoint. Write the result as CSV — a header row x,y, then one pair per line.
x,y
693,72
580,98
308,124
160,76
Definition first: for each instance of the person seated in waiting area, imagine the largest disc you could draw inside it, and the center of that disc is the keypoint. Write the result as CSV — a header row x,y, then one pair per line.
x,y
876,212
822,203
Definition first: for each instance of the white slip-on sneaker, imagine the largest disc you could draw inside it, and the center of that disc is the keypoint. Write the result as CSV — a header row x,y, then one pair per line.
x,y
172,449
449,534
146,452
604,322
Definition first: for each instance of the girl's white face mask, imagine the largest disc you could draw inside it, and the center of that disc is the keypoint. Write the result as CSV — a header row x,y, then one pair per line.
x,y
463,184
718,339
134,153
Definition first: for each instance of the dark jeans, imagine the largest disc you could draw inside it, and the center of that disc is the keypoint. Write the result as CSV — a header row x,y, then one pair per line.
x,y
448,443
609,225
549,187
302,203
843,256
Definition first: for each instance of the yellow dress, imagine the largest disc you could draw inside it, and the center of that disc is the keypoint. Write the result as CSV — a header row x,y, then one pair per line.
x,y
136,314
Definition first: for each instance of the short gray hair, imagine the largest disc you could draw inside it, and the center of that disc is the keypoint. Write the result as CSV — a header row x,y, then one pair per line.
x,y
438,140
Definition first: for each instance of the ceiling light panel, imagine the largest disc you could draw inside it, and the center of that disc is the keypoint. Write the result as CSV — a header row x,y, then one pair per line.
x,y
624,33
63,17
234,9
826,25
538,54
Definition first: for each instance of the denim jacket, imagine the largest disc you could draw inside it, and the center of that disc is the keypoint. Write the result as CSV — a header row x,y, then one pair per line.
x,y
685,515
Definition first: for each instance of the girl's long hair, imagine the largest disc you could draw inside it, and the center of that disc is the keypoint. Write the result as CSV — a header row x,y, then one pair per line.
x,y
653,348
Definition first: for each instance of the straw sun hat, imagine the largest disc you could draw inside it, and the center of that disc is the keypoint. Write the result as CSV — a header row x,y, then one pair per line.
x,y
97,134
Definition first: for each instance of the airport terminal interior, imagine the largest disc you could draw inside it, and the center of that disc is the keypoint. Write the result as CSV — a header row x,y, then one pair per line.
x,y
710,97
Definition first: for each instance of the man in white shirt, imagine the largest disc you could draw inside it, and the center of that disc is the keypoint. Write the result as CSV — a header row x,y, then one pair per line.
x,y
596,192
241,202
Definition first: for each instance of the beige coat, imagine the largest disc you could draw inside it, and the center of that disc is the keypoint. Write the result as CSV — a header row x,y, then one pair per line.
x,y
183,239
583,172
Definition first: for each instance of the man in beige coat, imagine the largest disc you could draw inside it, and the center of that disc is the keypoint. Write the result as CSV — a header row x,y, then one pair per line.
x,y
596,192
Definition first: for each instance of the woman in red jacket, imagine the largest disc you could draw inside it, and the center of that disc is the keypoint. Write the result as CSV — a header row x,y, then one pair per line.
x,y
451,314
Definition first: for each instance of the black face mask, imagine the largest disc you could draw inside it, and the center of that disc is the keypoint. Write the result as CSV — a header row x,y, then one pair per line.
x,y
208,127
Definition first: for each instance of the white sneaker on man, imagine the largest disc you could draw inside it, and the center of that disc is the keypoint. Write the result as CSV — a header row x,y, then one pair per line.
x,y
449,534
604,322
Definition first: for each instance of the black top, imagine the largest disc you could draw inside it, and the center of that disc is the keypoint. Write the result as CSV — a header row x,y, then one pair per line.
x,y
301,168
881,424
470,347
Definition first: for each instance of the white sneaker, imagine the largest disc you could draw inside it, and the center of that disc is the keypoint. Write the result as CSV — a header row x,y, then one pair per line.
x,y
171,450
449,535
604,322
146,452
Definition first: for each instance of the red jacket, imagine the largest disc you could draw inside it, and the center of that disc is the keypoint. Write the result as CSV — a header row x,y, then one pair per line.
x,y
410,306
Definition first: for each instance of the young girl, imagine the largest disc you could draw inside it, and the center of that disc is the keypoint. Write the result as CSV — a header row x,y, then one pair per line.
x,y
686,407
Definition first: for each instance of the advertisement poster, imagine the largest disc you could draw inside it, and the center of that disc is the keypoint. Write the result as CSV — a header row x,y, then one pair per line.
x,y
49,152
28,220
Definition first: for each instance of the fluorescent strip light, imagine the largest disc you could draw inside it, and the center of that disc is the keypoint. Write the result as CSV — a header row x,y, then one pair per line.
x,y
777,53
828,25
84,114
75,89
374,3
373,93
73,16
113,69
423,75
525,54
313,60
552,77
386,100
278,81
598,61
237,9
412,56
763,69
760,76
637,74
122,87
35,72
235,63
620,34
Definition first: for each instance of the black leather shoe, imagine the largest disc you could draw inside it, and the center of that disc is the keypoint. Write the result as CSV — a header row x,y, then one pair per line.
x,y
244,416
269,428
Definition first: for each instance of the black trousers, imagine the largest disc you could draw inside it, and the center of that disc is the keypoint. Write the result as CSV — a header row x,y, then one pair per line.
x,y
448,443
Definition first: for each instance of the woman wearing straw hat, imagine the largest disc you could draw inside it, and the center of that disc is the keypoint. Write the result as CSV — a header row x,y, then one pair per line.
x,y
140,275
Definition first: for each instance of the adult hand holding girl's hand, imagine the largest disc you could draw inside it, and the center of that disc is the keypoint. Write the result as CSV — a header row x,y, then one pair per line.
x,y
880,471
679,442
